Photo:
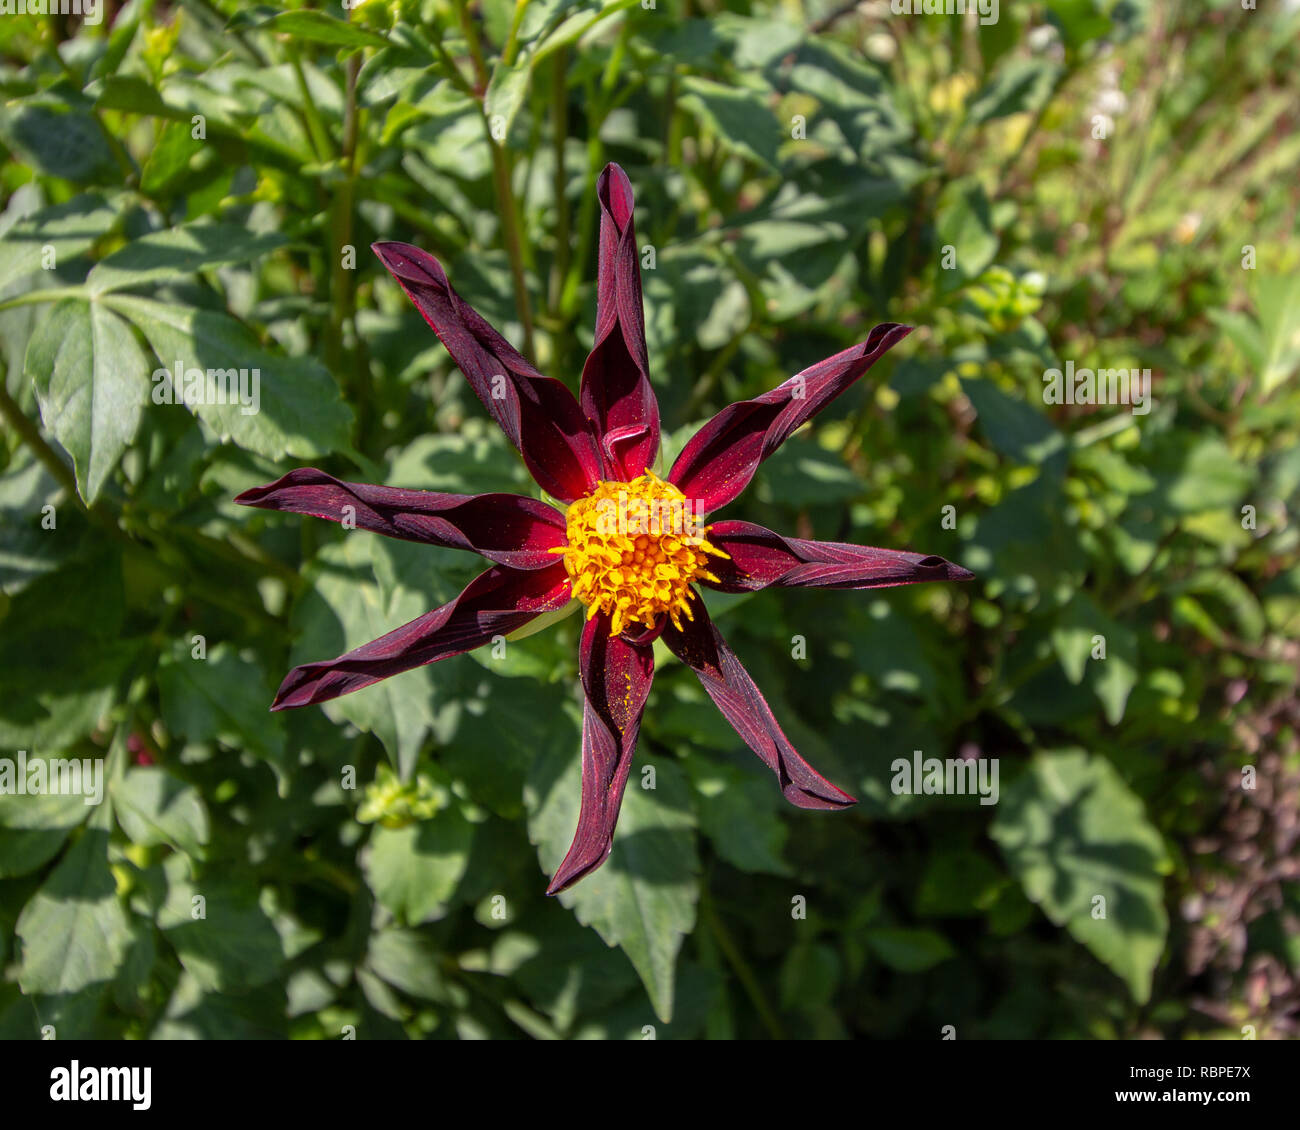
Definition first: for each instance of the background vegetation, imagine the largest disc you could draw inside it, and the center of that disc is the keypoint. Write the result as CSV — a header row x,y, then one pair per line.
x,y
1118,182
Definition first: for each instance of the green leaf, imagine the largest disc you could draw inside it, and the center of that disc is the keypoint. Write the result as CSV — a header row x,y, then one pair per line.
x,y
738,812
643,897
154,807
222,698
295,409
92,382
1015,429
33,828
506,92
346,606
133,95
809,976
958,884
740,118
63,654
1206,477
908,950
56,133
74,931
1072,637
69,229
965,223
223,937
407,960
1113,677
309,27
415,870
1279,316
178,251
1021,86
1073,833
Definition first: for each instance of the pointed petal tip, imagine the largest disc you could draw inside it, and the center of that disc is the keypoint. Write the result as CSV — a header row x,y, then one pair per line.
x,y
828,798
945,570
572,870
409,263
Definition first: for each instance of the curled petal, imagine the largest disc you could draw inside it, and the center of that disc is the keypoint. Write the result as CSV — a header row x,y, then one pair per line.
x,y
721,458
700,645
497,602
616,393
758,558
616,676
506,528
538,414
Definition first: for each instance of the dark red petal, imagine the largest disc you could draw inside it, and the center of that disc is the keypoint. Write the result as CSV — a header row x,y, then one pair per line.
x,y
700,645
616,676
537,413
616,393
497,602
721,458
506,528
760,558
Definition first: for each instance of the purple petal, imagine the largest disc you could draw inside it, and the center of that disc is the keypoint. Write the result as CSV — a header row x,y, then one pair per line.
x,y
616,393
616,676
497,602
506,528
700,645
721,458
537,413
759,558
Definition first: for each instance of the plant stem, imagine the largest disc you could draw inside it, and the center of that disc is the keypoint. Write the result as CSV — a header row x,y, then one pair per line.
x,y
744,974
319,135
30,434
587,214
342,287
509,207
54,294
512,40
559,135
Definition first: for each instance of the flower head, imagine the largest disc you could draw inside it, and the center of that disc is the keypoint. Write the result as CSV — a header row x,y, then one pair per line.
x,y
629,546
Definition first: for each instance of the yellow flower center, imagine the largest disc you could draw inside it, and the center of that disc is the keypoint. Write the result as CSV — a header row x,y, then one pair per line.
x,y
634,549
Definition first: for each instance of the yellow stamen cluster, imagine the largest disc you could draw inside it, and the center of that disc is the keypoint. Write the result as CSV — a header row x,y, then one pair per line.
x,y
634,549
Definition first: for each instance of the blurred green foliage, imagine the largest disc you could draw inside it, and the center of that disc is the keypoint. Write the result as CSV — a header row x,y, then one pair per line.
x,y
1111,184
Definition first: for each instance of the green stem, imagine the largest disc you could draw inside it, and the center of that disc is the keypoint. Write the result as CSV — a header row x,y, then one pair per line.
x,y
560,135
342,287
475,48
744,974
509,207
33,297
319,135
30,434
449,65
512,40
587,215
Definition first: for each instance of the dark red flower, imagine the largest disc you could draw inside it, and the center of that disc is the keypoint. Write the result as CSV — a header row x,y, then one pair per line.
x,y
629,545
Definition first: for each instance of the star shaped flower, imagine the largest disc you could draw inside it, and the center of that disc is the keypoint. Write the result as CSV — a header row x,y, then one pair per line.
x,y
629,546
